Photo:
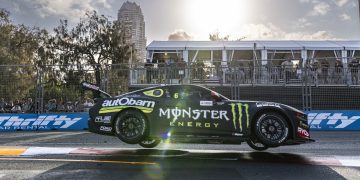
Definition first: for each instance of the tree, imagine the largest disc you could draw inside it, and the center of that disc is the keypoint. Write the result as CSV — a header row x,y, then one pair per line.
x,y
94,41
216,37
18,45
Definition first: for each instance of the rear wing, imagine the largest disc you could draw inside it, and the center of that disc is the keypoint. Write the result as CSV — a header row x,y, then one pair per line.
x,y
98,93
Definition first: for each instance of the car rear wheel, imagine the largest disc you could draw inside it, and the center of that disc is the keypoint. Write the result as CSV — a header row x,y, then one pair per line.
x,y
271,129
149,142
256,145
131,126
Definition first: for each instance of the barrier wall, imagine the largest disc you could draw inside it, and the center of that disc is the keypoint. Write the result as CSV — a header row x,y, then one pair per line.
x,y
324,120
50,121
334,120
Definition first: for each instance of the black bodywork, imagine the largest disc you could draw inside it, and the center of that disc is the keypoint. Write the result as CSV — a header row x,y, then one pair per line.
x,y
194,114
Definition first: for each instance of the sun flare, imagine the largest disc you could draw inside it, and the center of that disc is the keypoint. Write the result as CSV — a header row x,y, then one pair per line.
x,y
224,16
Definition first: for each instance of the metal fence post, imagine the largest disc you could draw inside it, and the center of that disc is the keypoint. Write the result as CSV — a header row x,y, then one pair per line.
x,y
39,99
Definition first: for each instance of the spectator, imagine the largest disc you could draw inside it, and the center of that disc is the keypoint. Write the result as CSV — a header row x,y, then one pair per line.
x,y
69,107
9,106
287,67
338,71
298,71
182,65
51,106
325,71
17,107
3,105
88,104
315,69
28,106
354,69
61,106
79,105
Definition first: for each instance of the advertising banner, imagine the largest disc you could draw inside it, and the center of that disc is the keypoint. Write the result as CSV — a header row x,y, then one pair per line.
x,y
49,121
334,120
327,120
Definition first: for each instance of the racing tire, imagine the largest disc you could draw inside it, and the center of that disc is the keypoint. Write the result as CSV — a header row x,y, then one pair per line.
x,y
150,143
271,129
131,126
258,146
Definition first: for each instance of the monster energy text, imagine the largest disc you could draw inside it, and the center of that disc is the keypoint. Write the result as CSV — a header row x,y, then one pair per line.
x,y
238,115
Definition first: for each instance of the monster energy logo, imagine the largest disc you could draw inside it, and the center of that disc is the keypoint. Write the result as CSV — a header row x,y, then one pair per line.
x,y
240,107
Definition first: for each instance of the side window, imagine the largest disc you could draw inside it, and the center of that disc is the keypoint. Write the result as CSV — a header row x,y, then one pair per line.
x,y
185,94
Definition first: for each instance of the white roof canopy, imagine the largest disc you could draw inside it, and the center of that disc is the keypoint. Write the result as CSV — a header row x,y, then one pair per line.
x,y
249,45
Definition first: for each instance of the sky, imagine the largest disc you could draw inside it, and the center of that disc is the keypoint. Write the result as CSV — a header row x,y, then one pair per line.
x,y
196,19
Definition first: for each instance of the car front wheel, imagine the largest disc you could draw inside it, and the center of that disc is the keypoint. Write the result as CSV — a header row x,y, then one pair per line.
x,y
131,126
271,129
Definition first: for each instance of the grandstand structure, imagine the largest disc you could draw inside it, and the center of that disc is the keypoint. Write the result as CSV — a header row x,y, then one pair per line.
x,y
218,59
305,74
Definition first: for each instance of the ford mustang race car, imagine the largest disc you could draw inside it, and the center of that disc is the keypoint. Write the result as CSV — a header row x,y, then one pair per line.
x,y
194,114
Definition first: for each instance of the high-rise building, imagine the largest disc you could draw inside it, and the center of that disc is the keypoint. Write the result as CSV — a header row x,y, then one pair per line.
x,y
131,16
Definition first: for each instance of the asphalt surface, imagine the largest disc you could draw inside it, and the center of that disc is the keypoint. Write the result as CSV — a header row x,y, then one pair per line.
x,y
104,157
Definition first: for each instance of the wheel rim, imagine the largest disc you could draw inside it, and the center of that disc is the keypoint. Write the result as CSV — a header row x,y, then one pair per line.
x,y
131,127
272,129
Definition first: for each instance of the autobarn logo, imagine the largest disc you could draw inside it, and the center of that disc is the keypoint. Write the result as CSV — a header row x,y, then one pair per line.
x,y
40,122
128,102
239,112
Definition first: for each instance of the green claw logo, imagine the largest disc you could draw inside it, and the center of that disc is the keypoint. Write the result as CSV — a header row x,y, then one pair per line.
x,y
240,107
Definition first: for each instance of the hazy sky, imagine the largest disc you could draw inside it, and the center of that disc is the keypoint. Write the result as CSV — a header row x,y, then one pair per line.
x,y
195,19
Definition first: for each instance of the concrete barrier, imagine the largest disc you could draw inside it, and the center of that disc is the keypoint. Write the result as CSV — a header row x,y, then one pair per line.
x,y
334,120
324,120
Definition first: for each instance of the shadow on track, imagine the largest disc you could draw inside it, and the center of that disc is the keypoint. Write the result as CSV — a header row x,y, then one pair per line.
x,y
182,164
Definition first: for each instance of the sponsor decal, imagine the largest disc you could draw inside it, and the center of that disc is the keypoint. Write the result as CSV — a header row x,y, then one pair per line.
x,y
237,134
103,119
110,106
39,122
128,102
193,114
105,128
194,124
154,93
266,104
303,133
239,111
206,103
331,120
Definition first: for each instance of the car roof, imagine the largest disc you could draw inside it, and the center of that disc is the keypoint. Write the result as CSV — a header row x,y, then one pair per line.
x,y
170,85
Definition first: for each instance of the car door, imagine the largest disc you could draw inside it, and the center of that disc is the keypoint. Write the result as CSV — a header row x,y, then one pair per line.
x,y
181,110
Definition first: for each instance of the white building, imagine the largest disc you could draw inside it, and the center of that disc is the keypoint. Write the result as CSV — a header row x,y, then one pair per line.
x,y
131,15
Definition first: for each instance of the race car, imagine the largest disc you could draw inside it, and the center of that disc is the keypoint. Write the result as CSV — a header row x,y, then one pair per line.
x,y
195,114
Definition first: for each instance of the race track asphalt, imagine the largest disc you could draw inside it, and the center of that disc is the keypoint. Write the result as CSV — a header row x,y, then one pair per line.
x,y
41,155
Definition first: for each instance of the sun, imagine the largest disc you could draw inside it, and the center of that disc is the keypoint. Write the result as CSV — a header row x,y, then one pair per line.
x,y
208,16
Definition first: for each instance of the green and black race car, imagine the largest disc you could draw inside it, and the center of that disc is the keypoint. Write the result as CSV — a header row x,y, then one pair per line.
x,y
194,114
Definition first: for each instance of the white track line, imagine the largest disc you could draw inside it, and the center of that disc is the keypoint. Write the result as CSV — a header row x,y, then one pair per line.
x,y
46,151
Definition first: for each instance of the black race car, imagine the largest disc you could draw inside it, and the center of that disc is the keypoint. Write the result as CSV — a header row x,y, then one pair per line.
x,y
194,114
